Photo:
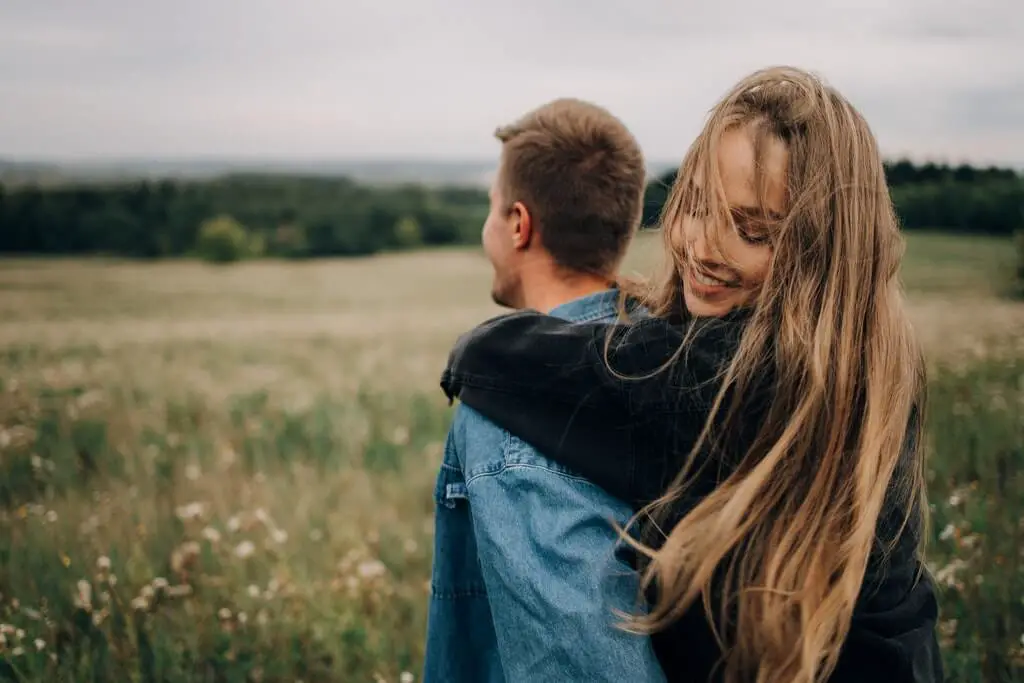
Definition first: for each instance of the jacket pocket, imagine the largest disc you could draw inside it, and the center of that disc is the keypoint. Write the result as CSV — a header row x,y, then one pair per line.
x,y
456,569
450,489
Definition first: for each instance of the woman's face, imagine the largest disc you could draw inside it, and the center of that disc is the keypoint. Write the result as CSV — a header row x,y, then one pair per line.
x,y
727,271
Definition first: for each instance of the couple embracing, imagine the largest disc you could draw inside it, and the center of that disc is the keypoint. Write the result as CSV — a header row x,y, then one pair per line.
x,y
714,475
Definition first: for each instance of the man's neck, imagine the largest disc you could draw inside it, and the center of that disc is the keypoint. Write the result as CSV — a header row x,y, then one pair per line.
x,y
549,293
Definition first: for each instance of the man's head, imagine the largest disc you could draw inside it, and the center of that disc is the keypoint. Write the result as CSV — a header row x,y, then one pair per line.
x,y
566,199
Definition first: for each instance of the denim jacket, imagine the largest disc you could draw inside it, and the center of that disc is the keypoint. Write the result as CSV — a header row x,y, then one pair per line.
x,y
528,572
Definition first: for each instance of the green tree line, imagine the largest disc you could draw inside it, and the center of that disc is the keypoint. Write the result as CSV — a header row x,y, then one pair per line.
x,y
292,216
307,216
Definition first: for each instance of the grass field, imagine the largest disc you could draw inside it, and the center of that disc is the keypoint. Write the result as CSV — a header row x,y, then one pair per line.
x,y
225,473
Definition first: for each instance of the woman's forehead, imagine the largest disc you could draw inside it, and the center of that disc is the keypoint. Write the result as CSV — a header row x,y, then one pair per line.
x,y
743,167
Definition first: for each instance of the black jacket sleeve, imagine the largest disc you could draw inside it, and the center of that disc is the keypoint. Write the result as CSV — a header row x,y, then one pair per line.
x,y
580,393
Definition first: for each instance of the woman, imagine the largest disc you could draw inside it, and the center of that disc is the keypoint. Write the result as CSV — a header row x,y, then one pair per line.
x,y
764,420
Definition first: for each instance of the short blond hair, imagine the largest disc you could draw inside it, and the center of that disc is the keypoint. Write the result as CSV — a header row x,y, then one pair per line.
x,y
581,174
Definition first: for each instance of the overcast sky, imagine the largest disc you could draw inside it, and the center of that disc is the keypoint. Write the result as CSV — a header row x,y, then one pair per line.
x,y
941,79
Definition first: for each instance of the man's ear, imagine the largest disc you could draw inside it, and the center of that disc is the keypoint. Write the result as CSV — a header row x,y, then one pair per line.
x,y
522,229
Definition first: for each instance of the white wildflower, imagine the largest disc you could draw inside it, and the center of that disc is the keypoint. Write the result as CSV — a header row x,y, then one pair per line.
x,y
89,399
400,436
191,512
179,591
89,525
279,536
211,534
234,524
103,563
18,651
140,604
245,549
224,614
959,496
406,677
371,569
147,592
160,583
947,533
192,472
51,516
83,600
242,618
40,644
947,574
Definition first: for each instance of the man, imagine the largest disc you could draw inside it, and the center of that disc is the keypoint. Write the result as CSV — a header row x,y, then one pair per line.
x,y
526,579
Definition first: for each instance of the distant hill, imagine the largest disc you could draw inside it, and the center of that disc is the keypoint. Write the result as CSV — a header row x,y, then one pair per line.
x,y
427,172
22,172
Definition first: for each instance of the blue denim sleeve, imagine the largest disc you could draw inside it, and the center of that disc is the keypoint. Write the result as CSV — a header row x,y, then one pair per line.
x,y
461,646
547,551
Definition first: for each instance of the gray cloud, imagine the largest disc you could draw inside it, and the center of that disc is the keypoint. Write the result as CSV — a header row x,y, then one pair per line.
x,y
320,78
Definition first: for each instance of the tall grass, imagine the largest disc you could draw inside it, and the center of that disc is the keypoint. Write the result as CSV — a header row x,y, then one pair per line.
x,y
1018,280
976,442
211,476
151,540
147,540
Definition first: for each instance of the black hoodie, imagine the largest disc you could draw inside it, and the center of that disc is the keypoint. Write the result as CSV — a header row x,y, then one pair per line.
x,y
551,383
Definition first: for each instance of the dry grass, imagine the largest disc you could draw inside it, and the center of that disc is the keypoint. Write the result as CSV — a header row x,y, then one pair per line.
x,y
251,449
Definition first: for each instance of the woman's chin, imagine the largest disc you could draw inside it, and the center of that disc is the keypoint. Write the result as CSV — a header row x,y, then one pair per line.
x,y
702,308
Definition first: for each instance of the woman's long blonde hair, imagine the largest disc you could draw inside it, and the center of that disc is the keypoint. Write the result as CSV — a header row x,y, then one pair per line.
x,y
784,542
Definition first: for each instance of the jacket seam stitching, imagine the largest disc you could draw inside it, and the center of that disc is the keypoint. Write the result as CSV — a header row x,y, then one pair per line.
x,y
491,472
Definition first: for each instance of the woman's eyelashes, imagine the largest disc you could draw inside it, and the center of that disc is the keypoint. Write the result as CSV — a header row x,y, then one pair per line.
x,y
750,229
750,225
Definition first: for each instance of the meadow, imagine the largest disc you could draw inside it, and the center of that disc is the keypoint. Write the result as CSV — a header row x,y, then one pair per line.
x,y
225,473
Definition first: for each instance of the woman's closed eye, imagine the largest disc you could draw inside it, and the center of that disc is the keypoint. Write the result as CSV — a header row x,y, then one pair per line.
x,y
751,230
